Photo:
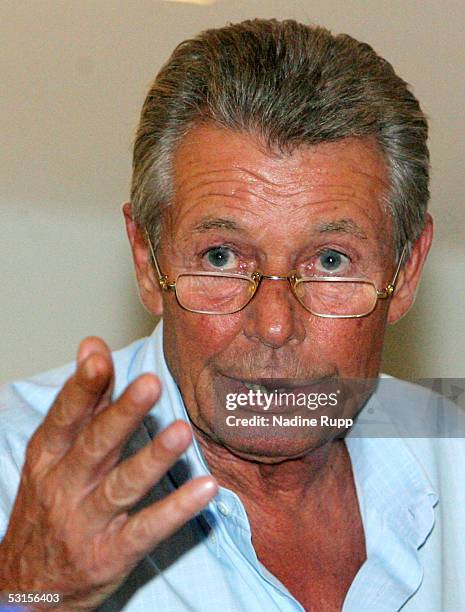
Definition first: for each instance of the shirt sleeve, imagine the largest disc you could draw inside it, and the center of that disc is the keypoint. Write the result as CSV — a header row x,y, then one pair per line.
x,y
18,421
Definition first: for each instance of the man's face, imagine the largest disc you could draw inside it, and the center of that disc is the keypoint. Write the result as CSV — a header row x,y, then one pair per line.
x,y
319,210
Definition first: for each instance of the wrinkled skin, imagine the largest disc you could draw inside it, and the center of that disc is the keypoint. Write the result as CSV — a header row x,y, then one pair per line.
x,y
279,204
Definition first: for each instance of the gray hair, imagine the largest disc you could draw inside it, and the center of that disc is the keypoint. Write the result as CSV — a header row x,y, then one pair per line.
x,y
290,85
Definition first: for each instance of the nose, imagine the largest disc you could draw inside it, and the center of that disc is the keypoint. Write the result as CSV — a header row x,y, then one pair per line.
x,y
274,317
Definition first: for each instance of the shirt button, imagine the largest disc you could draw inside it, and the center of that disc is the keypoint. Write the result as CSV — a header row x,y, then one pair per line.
x,y
224,509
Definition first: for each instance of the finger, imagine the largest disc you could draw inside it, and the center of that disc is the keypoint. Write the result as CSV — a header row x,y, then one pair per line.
x,y
98,446
74,404
145,530
127,483
90,345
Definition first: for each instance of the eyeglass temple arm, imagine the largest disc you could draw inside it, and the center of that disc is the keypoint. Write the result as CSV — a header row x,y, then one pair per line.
x,y
162,278
389,290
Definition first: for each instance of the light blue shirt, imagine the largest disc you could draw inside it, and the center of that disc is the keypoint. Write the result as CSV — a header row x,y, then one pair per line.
x,y
411,493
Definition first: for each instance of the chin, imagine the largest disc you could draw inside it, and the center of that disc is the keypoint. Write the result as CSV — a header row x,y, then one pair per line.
x,y
268,443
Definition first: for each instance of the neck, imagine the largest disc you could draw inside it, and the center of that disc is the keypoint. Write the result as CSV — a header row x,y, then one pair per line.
x,y
289,483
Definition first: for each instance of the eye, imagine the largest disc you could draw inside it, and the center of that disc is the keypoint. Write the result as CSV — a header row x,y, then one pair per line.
x,y
221,258
331,260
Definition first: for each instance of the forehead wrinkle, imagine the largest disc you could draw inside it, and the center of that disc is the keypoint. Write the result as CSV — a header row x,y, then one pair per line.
x,y
344,195
234,169
236,195
246,177
192,177
233,192
256,190
289,186
367,191
267,196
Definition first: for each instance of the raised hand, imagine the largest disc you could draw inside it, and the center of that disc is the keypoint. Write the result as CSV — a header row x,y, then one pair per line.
x,y
70,531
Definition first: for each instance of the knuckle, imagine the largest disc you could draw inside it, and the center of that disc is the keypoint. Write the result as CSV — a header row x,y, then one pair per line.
x,y
91,443
138,531
116,491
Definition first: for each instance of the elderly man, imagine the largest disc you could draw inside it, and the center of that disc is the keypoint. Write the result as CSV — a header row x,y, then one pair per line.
x,y
278,223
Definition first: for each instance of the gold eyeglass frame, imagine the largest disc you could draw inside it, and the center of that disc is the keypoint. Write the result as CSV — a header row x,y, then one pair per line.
x,y
292,277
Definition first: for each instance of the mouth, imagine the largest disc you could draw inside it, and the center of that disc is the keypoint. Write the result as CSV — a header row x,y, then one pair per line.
x,y
274,395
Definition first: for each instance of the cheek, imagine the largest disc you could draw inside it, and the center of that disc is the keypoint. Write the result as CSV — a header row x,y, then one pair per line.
x,y
357,344
191,339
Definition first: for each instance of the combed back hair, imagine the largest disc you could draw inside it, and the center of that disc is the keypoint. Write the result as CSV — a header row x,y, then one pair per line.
x,y
289,85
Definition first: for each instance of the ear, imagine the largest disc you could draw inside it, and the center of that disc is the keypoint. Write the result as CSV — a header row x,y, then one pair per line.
x,y
149,289
409,276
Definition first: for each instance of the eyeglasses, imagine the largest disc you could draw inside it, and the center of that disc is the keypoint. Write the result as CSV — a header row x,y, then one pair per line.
x,y
217,293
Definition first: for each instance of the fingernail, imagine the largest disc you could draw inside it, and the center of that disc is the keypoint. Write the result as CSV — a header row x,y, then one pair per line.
x,y
84,351
206,490
172,440
89,369
144,392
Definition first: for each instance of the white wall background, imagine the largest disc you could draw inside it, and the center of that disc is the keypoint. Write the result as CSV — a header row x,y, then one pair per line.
x,y
73,78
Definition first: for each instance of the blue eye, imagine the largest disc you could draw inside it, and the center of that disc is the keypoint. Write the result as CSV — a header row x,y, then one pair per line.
x,y
332,261
221,257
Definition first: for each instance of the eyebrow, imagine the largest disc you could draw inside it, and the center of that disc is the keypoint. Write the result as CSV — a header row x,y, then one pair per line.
x,y
342,226
217,223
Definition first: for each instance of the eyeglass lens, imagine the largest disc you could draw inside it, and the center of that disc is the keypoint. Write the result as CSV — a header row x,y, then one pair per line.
x,y
223,295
